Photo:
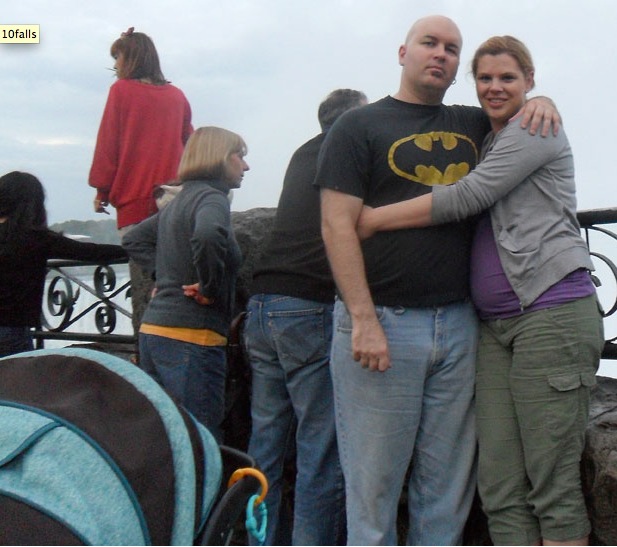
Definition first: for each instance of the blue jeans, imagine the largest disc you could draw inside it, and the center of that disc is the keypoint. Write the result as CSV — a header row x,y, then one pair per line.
x,y
193,375
15,340
419,412
288,343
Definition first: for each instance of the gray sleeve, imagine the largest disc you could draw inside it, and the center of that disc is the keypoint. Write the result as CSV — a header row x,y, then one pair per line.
x,y
140,243
210,242
512,158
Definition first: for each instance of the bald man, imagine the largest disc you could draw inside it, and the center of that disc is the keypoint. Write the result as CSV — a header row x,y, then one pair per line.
x,y
405,331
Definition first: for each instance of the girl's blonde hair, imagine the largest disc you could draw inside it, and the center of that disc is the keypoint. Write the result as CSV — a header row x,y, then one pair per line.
x,y
206,153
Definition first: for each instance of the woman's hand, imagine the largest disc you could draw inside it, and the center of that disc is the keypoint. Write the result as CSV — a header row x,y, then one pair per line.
x,y
365,227
192,291
99,206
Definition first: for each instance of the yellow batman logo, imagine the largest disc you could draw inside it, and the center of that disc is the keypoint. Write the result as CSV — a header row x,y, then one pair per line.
x,y
454,147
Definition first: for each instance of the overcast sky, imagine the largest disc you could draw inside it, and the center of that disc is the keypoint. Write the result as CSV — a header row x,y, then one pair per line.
x,y
261,68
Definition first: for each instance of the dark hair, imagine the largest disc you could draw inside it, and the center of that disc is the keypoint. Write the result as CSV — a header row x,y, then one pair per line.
x,y
22,202
336,103
139,57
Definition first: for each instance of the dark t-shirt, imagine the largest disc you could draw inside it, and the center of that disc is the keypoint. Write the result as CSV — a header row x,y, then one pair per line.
x,y
294,260
390,151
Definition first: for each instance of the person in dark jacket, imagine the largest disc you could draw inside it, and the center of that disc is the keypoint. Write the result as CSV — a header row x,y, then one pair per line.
x,y
190,250
288,333
26,243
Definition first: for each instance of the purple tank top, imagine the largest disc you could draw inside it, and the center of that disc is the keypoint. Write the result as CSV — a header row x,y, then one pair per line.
x,y
491,291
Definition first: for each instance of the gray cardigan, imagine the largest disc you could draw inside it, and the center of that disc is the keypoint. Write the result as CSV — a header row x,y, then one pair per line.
x,y
527,182
190,241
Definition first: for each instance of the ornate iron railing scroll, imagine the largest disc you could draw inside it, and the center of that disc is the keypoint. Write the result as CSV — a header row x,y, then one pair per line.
x,y
602,244
84,301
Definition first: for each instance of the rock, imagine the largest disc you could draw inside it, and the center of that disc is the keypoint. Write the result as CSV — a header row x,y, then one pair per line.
x,y
252,228
599,463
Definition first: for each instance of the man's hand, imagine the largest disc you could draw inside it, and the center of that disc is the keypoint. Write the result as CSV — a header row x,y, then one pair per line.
x,y
369,345
539,111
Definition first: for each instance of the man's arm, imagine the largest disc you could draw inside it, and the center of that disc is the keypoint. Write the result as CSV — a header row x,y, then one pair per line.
x,y
339,214
140,243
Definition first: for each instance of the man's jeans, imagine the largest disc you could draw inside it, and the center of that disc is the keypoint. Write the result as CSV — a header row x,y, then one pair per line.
x,y
288,343
419,412
194,375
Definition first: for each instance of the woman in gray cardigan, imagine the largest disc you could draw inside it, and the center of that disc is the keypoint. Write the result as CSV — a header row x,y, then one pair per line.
x,y
190,250
541,331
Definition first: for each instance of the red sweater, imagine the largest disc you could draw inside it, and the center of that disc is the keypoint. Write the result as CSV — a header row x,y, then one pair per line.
x,y
139,145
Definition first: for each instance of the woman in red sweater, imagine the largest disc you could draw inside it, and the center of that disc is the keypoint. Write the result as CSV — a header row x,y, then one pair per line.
x,y
145,125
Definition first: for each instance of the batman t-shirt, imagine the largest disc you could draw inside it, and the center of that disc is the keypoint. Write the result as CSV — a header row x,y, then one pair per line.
x,y
390,151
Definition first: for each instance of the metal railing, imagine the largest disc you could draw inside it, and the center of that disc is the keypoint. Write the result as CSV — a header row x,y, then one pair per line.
x,y
79,293
602,244
77,290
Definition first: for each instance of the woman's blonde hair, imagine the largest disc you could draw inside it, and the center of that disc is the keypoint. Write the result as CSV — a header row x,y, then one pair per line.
x,y
510,46
206,153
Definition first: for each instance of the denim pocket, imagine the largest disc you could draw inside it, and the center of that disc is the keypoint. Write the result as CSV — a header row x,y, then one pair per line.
x,y
342,319
304,334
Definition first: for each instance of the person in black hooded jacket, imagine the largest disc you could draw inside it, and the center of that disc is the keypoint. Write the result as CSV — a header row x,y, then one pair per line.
x,y
26,243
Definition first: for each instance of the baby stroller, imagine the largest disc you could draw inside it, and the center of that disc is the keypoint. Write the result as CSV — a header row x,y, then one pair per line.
x,y
93,451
